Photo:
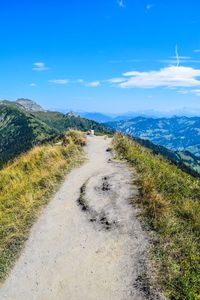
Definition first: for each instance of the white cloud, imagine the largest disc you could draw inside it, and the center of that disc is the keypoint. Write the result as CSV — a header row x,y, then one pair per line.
x,y
172,77
149,6
196,92
93,84
59,81
116,80
39,66
185,92
182,59
197,50
79,80
32,84
121,3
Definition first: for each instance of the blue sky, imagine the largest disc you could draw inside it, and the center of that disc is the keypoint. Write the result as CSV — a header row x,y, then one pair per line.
x,y
103,55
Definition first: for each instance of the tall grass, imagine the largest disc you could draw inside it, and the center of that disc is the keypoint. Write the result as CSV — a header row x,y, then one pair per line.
x,y
25,186
170,205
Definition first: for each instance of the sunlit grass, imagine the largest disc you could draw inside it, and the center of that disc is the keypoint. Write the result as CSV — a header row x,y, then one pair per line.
x,y
171,208
25,186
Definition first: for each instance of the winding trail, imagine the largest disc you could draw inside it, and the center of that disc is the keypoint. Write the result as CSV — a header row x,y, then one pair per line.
x,y
88,243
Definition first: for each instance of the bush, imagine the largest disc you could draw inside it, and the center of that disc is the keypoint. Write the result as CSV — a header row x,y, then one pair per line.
x,y
77,137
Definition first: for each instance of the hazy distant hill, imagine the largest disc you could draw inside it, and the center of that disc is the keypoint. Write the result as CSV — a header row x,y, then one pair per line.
x,y
109,117
98,117
177,133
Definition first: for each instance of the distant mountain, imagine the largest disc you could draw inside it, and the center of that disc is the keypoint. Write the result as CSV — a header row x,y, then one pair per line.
x,y
29,105
98,117
150,113
22,127
177,133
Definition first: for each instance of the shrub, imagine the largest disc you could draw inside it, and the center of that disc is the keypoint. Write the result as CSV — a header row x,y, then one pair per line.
x,y
77,137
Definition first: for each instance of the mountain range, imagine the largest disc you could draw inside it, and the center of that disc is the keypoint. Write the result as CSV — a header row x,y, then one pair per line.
x,y
24,123
102,118
176,133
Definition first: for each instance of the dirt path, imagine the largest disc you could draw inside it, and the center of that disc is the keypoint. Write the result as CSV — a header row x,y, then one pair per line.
x,y
88,243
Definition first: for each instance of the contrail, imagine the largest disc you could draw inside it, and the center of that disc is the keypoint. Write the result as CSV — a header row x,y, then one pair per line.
x,y
177,56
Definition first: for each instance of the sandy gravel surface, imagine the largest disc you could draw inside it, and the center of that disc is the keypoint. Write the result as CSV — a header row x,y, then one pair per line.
x,y
88,243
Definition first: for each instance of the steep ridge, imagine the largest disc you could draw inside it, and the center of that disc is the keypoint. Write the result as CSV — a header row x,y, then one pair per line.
x,y
19,131
23,124
185,160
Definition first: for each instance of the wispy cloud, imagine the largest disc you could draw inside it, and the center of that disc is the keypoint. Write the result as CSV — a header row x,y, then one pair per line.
x,y
197,51
59,81
189,91
172,77
120,61
32,84
116,80
79,80
93,84
121,3
197,92
149,6
172,60
39,66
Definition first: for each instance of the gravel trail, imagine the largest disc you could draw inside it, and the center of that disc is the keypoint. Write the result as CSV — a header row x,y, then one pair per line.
x,y
88,243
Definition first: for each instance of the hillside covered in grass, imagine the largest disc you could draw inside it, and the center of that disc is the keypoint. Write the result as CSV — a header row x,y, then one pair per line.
x,y
170,206
23,125
19,131
63,122
185,160
25,187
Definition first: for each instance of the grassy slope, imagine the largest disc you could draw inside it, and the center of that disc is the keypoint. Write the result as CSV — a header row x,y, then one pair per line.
x,y
64,122
171,207
25,186
19,131
183,159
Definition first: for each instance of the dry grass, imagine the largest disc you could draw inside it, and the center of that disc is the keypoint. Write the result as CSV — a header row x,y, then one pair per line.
x,y
25,187
171,208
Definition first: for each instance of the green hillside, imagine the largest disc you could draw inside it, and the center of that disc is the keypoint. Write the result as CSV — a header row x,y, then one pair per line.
x,y
19,131
185,160
21,128
63,122
26,186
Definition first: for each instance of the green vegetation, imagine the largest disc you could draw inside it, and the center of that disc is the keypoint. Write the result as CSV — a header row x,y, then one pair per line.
x,y
63,122
176,133
21,129
25,187
185,160
170,205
